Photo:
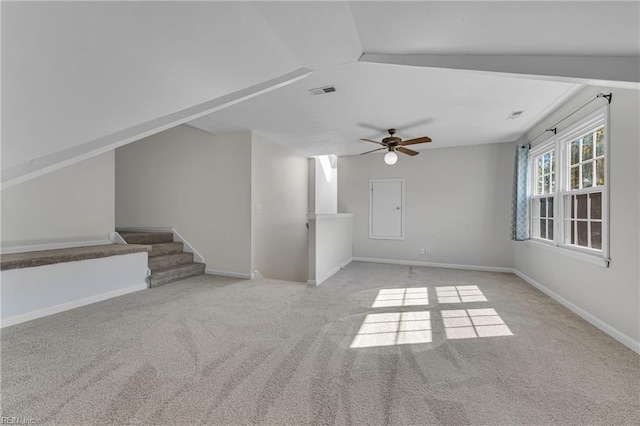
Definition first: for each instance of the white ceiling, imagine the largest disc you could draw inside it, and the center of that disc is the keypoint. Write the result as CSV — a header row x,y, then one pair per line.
x,y
453,107
77,72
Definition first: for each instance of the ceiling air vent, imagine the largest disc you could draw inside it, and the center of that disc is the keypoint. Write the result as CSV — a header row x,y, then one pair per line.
x,y
514,115
322,90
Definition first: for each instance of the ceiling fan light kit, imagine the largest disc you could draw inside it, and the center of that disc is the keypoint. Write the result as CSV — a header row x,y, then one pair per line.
x,y
390,158
393,144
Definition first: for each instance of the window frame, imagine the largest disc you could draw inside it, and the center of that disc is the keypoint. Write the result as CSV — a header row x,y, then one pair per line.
x,y
543,148
561,143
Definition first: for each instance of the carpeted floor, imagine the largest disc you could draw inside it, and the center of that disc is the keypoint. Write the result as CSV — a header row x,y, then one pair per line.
x,y
212,350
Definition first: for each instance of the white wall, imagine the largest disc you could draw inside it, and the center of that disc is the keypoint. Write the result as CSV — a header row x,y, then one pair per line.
x,y
73,72
31,293
326,184
195,182
457,204
323,184
280,188
610,295
330,245
75,203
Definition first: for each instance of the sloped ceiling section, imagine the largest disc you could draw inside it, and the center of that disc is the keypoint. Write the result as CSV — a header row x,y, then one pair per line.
x,y
586,42
499,27
74,72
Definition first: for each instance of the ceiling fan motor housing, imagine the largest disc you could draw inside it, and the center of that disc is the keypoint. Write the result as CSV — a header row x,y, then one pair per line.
x,y
392,140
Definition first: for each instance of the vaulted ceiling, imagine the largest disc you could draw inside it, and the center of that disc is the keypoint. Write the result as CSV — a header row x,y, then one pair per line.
x,y
82,77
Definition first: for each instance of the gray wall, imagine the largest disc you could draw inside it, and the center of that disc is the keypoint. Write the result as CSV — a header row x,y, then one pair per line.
x,y
71,204
280,186
457,204
611,294
207,186
195,182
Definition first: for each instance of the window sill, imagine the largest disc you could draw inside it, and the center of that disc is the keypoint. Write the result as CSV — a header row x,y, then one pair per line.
x,y
589,258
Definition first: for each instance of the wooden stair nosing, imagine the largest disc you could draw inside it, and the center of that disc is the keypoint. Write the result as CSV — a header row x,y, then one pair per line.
x,y
146,237
161,249
174,273
167,260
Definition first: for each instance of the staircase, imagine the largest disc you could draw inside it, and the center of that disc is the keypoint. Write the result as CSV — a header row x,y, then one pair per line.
x,y
167,261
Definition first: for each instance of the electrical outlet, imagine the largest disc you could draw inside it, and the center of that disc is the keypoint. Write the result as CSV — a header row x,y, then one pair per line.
x,y
427,251
423,251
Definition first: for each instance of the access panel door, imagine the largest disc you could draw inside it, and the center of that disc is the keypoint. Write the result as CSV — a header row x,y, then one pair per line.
x,y
386,209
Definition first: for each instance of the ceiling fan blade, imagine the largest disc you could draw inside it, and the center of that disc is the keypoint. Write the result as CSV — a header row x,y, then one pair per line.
x,y
423,139
407,151
378,149
369,140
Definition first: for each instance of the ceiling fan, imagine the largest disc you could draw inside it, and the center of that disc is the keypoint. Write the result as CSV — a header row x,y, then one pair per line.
x,y
393,144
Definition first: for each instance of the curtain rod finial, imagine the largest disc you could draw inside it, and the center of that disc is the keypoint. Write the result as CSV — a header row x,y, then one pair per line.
x,y
608,97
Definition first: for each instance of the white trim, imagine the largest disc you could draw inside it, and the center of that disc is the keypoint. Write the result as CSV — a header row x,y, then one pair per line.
x,y
187,247
49,163
570,252
611,331
434,265
230,274
197,257
54,246
116,238
329,273
17,319
402,217
328,216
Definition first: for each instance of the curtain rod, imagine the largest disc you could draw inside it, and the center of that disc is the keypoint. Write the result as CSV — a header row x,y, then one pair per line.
x,y
554,128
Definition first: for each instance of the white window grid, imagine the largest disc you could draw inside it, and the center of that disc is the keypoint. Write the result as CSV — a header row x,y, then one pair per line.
x,y
562,194
543,225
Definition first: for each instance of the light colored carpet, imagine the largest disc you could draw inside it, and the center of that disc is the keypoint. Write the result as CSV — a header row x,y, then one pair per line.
x,y
211,350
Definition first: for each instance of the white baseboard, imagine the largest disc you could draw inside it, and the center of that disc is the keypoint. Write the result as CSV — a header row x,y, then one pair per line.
x,y
322,278
434,265
611,331
54,246
229,274
17,319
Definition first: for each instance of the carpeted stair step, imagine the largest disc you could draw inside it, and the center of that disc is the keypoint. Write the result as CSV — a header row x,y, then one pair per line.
x,y
174,273
164,261
147,237
165,248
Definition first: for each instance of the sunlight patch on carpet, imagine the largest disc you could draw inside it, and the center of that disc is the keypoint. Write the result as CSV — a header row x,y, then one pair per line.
x,y
473,323
393,297
394,328
459,294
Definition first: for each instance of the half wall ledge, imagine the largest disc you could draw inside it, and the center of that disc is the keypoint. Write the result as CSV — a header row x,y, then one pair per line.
x,y
50,257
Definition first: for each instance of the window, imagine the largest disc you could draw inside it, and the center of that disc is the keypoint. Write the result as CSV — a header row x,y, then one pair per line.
x,y
568,187
542,201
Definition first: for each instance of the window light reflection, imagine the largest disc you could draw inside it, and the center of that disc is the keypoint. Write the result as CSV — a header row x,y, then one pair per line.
x,y
472,323
395,328
460,294
393,297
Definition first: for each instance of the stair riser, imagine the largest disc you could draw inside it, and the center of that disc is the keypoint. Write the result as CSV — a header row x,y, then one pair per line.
x,y
165,248
170,260
165,278
149,238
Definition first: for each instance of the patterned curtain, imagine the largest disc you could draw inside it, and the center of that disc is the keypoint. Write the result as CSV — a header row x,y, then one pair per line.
x,y
519,203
